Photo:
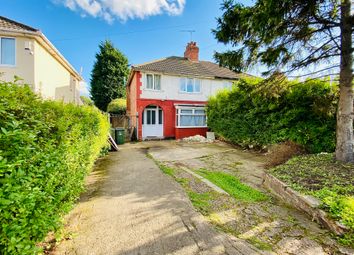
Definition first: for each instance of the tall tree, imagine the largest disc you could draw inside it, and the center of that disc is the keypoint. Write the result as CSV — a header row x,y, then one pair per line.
x,y
293,35
108,76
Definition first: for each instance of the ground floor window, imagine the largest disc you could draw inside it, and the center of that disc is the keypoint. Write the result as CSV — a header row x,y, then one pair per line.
x,y
188,116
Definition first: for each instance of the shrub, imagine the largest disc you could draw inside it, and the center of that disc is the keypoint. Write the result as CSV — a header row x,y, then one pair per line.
x,y
117,106
86,100
46,150
259,113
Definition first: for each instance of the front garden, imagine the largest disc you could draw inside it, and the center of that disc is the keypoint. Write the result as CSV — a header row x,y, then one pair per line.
x,y
328,180
301,117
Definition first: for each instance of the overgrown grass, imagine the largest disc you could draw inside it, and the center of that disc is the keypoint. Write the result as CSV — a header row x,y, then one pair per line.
x,y
233,186
167,170
330,181
201,201
260,244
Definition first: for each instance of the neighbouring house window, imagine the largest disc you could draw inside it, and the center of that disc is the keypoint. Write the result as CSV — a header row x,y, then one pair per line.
x,y
190,85
7,51
153,81
191,117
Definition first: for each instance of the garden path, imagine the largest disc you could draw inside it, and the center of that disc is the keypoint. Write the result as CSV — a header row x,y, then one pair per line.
x,y
131,207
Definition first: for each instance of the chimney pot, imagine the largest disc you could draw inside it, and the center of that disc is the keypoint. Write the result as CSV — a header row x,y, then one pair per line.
x,y
192,52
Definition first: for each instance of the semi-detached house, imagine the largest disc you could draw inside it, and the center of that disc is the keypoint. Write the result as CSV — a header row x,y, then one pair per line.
x,y
166,98
26,52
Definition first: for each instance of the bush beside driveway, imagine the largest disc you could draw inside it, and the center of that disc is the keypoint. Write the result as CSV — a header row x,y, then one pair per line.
x,y
46,150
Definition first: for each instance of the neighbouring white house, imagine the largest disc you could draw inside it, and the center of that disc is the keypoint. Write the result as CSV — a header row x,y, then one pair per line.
x,y
25,52
166,98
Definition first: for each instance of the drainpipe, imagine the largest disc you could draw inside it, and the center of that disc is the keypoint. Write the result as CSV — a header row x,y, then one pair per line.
x,y
137,126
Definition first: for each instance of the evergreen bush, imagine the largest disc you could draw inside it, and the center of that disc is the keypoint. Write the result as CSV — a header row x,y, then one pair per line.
x,y
46,150
261,112
117,106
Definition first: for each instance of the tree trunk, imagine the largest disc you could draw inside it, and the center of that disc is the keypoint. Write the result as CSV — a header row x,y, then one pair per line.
x,y
345,143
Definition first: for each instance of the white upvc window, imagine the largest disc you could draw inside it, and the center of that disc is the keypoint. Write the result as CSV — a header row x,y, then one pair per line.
x,y
190,85
7,51
189,117
153,81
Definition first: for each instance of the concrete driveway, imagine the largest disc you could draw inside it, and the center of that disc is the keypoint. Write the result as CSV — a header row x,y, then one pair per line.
x,y
131,207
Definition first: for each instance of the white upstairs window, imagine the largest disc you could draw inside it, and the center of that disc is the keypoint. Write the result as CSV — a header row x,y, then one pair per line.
x,y
190,85
153,81
7,51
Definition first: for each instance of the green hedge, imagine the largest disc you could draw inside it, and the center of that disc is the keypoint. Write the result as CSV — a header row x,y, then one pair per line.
x,y
117,106
46,150
262,112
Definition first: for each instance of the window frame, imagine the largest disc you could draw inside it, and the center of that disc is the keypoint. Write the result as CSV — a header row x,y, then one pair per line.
x,y
15,40
193,108
153,82
185,80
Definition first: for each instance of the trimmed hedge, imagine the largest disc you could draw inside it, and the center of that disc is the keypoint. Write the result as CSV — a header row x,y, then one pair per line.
x,y
117,106
46,150
261,112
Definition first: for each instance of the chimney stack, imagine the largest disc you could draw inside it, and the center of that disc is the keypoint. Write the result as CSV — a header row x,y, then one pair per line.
x,y
192,52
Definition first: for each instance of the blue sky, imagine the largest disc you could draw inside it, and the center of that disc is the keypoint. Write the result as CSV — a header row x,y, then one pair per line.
x,y
142,29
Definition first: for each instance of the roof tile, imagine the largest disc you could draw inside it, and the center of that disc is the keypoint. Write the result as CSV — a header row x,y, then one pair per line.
x,y
11,25
183,66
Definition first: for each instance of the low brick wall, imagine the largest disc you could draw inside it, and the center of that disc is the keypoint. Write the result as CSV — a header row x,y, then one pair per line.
x,y
305,203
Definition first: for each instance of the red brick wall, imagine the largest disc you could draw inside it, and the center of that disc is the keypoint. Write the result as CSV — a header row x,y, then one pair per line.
x,y
133,94
169,117
137,105
185,132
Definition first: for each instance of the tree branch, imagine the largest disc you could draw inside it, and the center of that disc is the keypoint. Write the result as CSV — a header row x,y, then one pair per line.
x,y
308,74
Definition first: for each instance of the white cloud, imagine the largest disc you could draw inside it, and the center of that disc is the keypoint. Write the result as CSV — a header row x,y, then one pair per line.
x,y
123,10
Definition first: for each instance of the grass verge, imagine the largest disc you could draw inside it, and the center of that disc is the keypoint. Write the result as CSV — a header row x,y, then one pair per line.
x,y
233,186
332,182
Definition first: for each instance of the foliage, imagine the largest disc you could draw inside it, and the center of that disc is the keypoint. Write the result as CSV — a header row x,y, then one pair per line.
x,y
292,35
261,112
86,100
109,75
279,33
233,186
167,170
202,201
46,150
117,106
260,244
329,180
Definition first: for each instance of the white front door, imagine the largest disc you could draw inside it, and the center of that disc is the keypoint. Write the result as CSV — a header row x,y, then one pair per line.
x,y
152,122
